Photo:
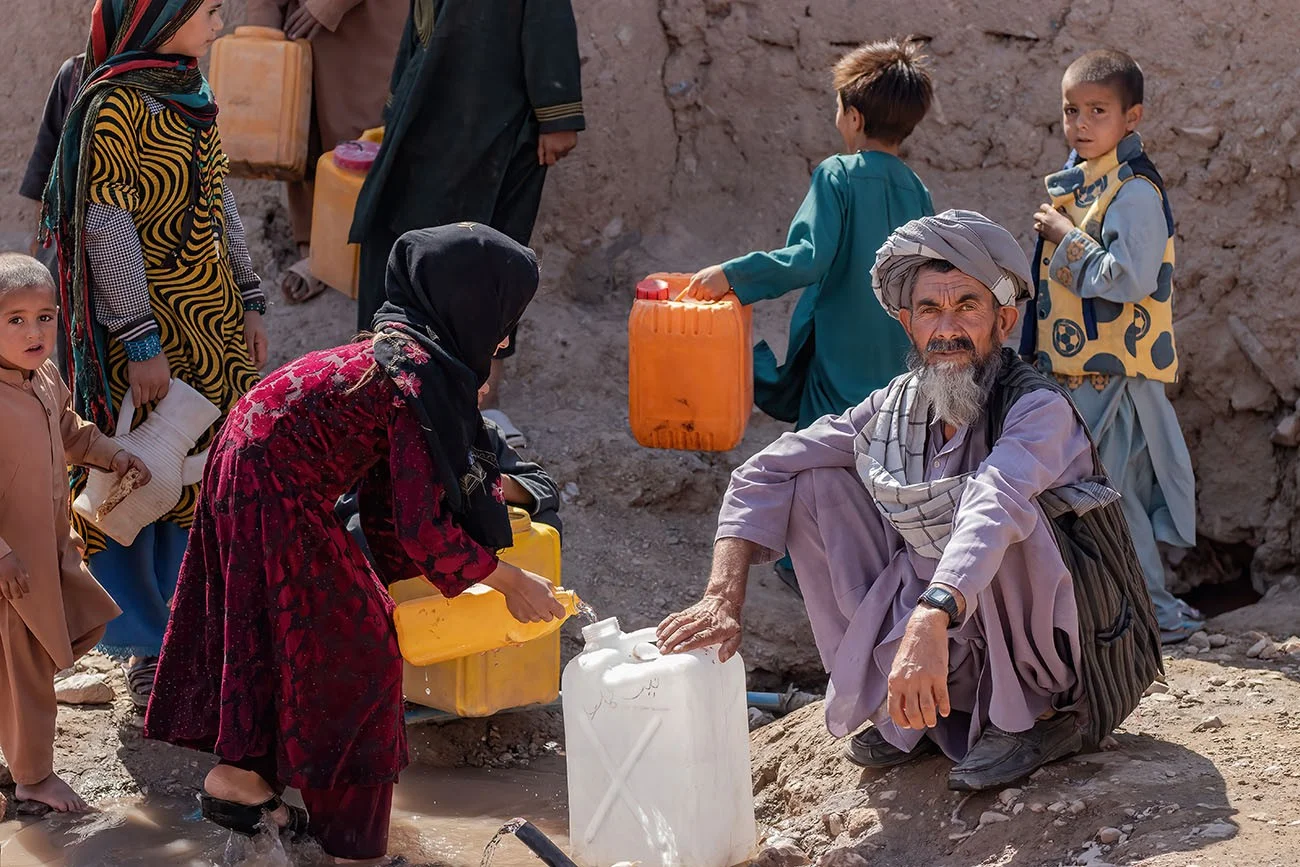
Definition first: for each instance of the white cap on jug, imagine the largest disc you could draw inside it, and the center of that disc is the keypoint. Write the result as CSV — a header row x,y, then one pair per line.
x,y
597,633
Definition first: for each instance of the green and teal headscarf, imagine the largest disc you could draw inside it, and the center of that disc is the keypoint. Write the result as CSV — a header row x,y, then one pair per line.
x,y
125,38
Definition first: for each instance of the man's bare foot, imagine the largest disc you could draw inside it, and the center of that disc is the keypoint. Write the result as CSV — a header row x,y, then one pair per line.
x,y
55,793
243,787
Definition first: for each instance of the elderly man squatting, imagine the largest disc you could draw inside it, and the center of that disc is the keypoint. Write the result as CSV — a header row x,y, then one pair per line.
x,y
941,606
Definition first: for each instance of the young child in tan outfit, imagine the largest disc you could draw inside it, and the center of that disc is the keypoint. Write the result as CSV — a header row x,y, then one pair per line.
x,y
51,610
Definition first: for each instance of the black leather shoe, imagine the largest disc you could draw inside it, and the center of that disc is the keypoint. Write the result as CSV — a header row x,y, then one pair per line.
x,y
869,749
1001,758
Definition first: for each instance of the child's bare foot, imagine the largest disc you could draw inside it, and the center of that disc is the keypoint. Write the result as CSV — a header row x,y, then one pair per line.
x,y
55,793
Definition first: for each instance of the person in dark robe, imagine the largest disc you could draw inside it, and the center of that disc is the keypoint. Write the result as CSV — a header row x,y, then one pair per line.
x,y
486,95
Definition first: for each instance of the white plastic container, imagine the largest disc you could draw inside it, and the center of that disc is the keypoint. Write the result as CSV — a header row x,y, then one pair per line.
x,y
658,754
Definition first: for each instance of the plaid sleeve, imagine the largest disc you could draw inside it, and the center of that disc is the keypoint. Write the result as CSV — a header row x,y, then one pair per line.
x,y
241,261
121,284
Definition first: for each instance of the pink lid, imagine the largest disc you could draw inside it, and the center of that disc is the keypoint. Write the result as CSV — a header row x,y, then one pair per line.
x,y
356,156
651,289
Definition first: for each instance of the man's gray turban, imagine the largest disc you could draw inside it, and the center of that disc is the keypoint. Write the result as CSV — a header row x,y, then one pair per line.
x,y
972,242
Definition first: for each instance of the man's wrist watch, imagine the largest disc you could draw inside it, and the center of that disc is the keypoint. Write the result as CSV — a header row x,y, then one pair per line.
x,y
942,599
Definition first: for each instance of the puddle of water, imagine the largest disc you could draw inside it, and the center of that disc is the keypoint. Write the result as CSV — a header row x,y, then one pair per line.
x,y
440,817
449,817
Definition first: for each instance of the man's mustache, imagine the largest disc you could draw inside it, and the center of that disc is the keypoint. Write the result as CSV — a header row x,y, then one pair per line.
x,y
956,344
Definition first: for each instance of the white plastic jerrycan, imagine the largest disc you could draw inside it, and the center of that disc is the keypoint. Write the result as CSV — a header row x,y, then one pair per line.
x,y
163,441
658,754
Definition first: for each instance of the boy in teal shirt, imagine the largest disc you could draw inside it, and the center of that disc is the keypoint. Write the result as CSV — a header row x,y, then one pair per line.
x,y
842,344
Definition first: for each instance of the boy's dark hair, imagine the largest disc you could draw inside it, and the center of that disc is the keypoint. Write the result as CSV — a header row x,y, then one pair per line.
x,y
1110,68
889,84
20,271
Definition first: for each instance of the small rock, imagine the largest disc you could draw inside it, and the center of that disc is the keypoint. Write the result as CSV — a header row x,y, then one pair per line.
x,y
992,817
860,822
1127,829
834,823
1057,807
1157,688
83,689
842,858
1199,640
759,718
1017,809
887,795
1218,680
1109,836
781,853
1037,808
1210,723
570,492
1272,651
1258,647
1218,640
1077,807
1007,797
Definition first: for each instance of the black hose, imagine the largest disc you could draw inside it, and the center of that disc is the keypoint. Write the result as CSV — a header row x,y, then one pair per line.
x,y
542,846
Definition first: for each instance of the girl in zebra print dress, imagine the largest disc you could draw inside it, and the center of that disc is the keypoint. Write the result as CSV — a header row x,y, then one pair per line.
x,y
156,279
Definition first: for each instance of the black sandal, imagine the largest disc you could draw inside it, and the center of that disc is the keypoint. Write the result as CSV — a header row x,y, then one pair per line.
x,y
249,819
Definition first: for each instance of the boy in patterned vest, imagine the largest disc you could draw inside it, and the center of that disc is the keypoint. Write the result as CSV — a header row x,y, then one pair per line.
x,y
1103,320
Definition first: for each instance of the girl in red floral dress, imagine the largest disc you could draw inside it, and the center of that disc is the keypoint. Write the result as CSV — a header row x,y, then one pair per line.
x,y
281,655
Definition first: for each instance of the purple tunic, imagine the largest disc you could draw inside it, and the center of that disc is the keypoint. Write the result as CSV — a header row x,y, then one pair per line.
x,y
1009,661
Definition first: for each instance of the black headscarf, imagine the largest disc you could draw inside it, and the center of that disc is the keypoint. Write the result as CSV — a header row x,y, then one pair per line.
x,y
455,292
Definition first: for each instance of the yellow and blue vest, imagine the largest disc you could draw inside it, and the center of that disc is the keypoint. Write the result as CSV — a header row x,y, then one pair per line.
x,y
1077,337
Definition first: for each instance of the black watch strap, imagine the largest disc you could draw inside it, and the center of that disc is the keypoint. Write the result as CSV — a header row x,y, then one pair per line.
x,y
942,599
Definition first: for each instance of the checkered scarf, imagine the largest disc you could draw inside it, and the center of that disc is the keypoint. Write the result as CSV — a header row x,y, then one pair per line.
x,y
890,457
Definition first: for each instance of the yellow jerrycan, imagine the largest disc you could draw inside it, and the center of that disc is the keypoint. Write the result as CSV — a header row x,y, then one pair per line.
x,y
262,82
468,655
340,173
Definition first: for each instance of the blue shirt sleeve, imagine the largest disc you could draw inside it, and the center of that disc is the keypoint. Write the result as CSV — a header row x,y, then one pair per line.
x,y
810,249
1125,266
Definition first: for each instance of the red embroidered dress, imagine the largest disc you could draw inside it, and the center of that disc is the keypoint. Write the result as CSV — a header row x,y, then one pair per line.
x,y
281,639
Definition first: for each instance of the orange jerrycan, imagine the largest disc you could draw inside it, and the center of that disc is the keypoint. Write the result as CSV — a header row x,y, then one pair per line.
x,y
690,368
262,82
517,664
339,176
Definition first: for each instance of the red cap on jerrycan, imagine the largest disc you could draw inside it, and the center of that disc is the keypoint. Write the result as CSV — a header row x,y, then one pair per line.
x,y
652,289
356,156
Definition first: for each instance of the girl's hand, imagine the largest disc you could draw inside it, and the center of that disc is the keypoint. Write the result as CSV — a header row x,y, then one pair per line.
x,y
1051,224
255,335
530,598
150,380
14,583
124,461
711,284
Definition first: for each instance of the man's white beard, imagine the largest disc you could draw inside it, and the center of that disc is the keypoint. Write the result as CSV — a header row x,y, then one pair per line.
x,y
958,392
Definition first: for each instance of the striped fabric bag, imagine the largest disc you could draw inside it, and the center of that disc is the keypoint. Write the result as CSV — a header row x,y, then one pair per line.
x,y
1118,635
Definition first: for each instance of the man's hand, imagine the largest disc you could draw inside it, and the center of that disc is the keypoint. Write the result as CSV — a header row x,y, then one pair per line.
x,y
124,461
918,682
255,335
1051,223
712,620
150,380
14,583
555,146
711,284
530,598
301,24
